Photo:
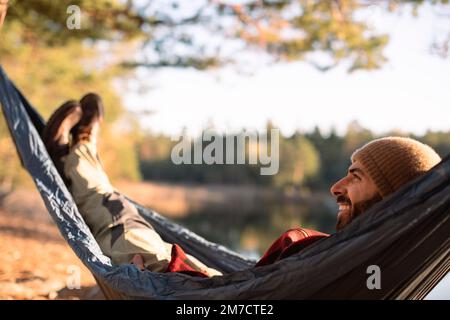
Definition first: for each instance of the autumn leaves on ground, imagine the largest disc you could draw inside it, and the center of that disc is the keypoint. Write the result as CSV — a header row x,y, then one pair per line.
x,y
35,260
37,263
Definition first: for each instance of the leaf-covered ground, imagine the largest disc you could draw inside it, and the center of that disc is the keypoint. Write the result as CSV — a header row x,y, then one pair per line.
x,y
35,261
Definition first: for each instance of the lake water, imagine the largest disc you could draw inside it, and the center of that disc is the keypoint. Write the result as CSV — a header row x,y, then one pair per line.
x,y
254,231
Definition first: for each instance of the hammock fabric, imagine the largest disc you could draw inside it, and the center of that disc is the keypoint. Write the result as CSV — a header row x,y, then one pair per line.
x,y
406,235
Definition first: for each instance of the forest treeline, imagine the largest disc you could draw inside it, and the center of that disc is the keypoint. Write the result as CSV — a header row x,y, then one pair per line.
x,y
306,159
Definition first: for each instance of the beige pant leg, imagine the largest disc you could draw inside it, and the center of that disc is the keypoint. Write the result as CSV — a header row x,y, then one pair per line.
x,y
116,224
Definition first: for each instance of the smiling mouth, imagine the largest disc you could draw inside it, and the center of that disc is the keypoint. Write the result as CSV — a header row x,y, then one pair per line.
x,y
344,207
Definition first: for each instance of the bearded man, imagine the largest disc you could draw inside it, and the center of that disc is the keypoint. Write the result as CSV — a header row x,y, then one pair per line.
x,y
377,170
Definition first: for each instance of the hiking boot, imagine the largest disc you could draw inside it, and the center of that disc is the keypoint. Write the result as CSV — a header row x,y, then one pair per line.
x,y
56,134
89,125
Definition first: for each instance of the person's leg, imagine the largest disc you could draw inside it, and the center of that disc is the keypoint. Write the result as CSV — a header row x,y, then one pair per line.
x,y
116,224
108,214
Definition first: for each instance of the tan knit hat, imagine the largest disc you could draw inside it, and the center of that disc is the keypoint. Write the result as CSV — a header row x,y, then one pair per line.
x,y
393,161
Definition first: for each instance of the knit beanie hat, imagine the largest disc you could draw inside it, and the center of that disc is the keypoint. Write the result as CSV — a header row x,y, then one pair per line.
x,y
393,161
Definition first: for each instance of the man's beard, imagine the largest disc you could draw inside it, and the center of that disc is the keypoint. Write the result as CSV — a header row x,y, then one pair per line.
x,y
355,209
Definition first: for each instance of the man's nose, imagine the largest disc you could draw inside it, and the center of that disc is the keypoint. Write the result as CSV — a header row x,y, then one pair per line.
x,y
338,188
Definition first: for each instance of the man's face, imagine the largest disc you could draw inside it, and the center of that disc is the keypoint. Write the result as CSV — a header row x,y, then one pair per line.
x,y
355,193
3,8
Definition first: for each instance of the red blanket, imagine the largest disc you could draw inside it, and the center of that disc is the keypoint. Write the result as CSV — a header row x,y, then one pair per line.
x,y
290,242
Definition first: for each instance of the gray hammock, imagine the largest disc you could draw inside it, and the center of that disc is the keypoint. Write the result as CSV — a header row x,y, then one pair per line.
x,y
406,236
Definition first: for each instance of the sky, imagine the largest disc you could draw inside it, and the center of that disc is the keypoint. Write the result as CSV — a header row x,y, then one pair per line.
x,y
410,93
